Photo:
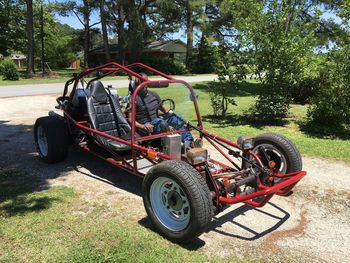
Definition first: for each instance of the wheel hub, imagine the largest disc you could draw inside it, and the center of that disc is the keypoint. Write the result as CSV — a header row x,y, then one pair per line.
x,y
170,203
175,200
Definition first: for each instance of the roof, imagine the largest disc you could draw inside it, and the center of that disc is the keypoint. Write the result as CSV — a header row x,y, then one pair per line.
x,y
173,46
169,46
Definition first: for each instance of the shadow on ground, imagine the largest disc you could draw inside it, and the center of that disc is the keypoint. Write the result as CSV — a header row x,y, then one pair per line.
x,y
241,119
230,217
324,131
22,172
251,234
245,88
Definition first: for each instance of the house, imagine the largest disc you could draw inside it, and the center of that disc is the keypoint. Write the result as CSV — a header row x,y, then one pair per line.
x,y
162,49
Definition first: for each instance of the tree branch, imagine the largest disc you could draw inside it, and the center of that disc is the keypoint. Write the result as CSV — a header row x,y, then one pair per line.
x,y
94,24
76,14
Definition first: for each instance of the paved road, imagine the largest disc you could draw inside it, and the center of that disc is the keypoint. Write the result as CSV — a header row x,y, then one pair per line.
x,y
55,88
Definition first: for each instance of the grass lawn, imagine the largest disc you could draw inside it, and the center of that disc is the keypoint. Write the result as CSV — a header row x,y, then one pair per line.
x,y
56,225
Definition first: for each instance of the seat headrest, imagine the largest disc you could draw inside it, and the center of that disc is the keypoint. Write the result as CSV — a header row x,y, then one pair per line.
x,y
98,91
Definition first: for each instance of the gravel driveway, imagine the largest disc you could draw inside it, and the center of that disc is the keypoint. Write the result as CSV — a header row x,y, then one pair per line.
x,y
311,225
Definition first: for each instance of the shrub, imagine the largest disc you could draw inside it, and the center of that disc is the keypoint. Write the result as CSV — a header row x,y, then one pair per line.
x,y
220,97
166,65
273,105
9,70
304,90
329,111
231,74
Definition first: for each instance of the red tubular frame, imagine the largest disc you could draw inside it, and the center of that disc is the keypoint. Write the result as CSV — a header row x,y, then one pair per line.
x,y
267,192
263,194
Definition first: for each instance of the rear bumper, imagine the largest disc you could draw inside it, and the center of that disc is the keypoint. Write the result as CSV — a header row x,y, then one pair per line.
x,y
264,193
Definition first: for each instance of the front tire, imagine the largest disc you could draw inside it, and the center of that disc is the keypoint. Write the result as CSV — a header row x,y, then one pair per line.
x,y
281,150
177,200
51,139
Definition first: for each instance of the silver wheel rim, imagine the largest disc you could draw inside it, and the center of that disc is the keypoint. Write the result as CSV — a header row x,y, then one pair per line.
x,y
170,204
269,147
42,141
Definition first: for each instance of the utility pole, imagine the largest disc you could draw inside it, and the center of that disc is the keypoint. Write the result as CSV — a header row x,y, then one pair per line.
x,y
42,39
30,36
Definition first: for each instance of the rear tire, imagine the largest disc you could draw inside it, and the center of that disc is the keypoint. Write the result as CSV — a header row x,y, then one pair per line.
x,y
177,200
51,139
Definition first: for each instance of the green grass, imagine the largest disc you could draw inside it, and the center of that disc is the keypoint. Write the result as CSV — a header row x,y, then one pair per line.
x,y
57,225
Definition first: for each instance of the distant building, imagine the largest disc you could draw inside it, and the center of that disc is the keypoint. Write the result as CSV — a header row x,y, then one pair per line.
x,y
164,49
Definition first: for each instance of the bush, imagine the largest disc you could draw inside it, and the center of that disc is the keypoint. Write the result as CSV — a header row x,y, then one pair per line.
x,y
329,111
220,97
308,83
166,65
231,74
304,90
273,105
9,70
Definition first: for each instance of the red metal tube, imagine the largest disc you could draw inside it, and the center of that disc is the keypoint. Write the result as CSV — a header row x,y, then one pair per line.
x,y
265,192
137,147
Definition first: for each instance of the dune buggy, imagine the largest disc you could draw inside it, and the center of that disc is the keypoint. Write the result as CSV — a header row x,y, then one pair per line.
x,y
183,185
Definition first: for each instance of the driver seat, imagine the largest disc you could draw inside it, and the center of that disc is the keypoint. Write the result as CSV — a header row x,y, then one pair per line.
x,y
105,116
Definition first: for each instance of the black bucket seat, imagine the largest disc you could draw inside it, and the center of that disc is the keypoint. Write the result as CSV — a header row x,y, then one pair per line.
x,y
106,116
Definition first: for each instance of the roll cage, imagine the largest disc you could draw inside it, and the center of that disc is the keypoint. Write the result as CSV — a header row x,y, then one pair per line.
x,y
130,162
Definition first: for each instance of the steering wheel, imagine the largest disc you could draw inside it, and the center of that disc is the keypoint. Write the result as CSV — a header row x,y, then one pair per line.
x,y
170,104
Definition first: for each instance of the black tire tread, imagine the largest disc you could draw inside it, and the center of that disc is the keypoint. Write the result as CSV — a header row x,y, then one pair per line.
x,y
198,187
57,137
286,146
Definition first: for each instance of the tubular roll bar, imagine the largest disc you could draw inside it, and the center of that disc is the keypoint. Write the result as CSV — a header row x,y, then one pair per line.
x,y
291,179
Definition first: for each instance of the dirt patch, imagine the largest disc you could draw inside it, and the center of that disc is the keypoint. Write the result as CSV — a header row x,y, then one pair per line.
x,y
312,225
298,230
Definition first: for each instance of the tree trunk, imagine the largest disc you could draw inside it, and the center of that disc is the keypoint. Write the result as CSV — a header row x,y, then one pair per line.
x,y
42,39
120,32
30,35
189,27
199,68
86,13
104,30
289,7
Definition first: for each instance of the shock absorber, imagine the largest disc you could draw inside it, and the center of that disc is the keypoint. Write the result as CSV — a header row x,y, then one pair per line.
x,y
234,186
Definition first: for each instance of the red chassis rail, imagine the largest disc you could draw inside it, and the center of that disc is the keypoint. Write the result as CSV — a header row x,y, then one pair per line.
x,y
257,199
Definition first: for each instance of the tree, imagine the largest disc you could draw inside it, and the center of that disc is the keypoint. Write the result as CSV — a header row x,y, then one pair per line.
x,y
83,13
329,111
104,30
30,35
280,37
13,36
187,13
131,25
